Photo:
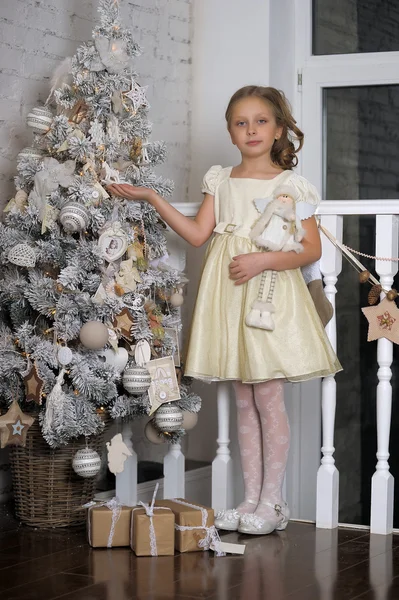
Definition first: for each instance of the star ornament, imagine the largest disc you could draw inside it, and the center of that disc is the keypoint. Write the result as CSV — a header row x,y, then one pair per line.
x,y
383,321
14,426
33,386
123,323
137,96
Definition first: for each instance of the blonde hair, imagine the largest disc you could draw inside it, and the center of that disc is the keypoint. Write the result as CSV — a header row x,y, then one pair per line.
x,y
283,152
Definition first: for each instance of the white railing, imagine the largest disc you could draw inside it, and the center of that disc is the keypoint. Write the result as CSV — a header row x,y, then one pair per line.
x,y
382,485
332,214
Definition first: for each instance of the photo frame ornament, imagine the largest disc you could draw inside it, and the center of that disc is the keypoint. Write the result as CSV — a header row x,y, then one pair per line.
x,y
113,242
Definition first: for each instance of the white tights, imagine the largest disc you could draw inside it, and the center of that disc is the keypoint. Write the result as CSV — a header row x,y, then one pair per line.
x,y
264,440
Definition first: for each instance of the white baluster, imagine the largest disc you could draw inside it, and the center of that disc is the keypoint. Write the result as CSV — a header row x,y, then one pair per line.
x,y
327,475
382,482
126,482
174,472
222,466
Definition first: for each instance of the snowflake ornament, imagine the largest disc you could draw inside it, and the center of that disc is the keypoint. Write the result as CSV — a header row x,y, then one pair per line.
x,y
137,95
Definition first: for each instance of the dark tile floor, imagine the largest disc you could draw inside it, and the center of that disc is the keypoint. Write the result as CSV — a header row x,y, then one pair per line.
x,y
301,563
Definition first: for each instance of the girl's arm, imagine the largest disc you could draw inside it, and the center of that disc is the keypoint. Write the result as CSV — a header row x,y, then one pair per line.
x,y
195,231
246,266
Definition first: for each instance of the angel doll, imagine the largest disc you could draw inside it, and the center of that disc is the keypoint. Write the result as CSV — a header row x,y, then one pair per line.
x,y
278,229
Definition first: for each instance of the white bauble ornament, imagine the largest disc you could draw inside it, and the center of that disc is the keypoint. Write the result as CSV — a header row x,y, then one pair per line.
x,y
40,119
94,335
86,462
30,152
74,217
169,417
176,299
22,255
64,355
152,434
136,379
117,359
190,420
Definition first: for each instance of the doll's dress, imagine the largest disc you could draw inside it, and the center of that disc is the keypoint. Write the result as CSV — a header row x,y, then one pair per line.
x,y
221,346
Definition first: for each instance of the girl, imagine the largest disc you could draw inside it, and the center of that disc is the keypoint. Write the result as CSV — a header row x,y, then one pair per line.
x,y
222,346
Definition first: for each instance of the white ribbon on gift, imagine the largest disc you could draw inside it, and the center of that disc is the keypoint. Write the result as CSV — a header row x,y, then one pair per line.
x,y
149,510
115,506
211,539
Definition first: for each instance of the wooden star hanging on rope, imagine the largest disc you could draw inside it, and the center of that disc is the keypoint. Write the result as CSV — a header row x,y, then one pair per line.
x,y
383,321
33,386
14,426
123,323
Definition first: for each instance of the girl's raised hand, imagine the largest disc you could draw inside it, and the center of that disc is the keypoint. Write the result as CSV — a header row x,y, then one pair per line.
x,y
130,192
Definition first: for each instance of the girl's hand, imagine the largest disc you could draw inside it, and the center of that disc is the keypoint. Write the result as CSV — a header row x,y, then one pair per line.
x,y
246,266
130,192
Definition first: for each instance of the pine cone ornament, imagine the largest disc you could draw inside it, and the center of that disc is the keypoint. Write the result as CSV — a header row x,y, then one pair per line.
x,y
374,294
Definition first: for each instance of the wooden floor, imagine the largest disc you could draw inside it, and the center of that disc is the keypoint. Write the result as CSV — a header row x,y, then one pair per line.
x,y
301,563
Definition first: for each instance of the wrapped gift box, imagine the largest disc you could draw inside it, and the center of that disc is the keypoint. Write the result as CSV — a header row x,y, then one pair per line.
x,y
190,516
163,521
99,526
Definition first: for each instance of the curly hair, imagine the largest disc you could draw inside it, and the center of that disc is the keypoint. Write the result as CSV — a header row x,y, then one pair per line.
x,y
283,152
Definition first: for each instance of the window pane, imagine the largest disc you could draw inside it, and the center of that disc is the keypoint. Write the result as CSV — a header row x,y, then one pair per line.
x,y
362,142
346,26
361,126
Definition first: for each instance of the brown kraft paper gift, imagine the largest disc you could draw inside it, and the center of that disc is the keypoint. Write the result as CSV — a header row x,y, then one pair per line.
x,y
99,526
164,529
186,516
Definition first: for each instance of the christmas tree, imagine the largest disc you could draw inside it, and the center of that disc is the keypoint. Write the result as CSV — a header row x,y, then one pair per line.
x,y
87,297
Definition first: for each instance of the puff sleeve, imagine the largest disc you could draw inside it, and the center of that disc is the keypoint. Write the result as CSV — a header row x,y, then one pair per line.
x,y
308,196
211,180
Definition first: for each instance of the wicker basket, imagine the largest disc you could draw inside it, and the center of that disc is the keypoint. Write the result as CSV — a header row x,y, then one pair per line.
x,y
47,491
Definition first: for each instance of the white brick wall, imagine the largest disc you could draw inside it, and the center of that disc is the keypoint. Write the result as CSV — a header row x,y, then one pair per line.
x,y
36,36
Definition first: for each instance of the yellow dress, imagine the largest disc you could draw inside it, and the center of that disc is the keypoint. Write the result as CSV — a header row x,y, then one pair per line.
x,y
221,345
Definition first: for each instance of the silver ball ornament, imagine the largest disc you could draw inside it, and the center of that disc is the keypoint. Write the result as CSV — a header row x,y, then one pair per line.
x,y
136,379
74,217
152,434
169,417
190,420
40,119
86,463
176,299
94,335
29,153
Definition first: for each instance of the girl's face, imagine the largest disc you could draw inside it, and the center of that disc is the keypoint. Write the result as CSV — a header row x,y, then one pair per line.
x,y
253,128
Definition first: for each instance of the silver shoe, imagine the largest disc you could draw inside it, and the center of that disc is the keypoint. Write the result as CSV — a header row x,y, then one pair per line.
x,y
229,519
255,525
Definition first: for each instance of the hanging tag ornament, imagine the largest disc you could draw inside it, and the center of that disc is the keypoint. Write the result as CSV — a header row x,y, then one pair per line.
x,y
142,352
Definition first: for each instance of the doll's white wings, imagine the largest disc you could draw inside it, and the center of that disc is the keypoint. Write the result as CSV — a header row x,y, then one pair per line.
x,y
261,203
304,210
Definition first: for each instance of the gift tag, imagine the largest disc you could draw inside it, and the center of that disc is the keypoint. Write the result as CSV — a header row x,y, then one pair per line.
x,y
228,548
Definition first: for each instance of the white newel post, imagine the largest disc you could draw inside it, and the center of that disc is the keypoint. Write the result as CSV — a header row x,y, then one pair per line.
x,y
222,465
174,466
174,473
328,475
382,486
126,482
